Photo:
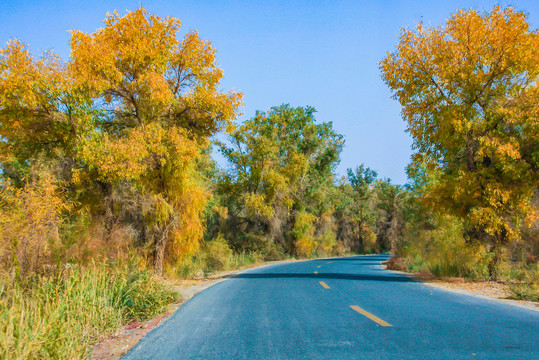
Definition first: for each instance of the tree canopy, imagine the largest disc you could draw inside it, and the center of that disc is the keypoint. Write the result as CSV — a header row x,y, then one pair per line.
x,y
132,108
281,164
469,95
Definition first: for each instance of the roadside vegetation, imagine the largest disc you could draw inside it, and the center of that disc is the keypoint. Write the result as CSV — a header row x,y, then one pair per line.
x,y
107,184
58,316
469,96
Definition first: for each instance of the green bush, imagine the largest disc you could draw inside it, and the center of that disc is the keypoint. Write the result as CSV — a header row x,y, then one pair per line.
x,y
244,259
443,251
218,254
60,316
274,252
327,243
191,267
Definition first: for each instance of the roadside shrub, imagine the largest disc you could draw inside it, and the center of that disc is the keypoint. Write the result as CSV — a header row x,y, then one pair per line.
x,y
528,292
396,263
244,259
192,267
340,249
523,279
327,243
273,252
29,223
303,232
370,243
443,251
218,254
143,296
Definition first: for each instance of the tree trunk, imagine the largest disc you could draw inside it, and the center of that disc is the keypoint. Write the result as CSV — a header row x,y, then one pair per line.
x,y
160,242
159,256
110,218
494,263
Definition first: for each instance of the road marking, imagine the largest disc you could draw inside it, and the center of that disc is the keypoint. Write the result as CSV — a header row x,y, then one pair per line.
x,y
316,272
324,285
370,316
319,266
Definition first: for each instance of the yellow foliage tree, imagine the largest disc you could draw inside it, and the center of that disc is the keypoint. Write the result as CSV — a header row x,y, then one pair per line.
x,y
470,96
134,105
160,102
42,111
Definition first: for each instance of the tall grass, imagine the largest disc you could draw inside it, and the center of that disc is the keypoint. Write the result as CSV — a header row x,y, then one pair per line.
x,y
523,280
60,316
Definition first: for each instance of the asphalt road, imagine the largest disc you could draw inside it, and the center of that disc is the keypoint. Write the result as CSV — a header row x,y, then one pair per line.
x,y
341,308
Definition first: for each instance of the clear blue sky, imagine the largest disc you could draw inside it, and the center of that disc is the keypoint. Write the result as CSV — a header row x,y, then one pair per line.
x,y
319,53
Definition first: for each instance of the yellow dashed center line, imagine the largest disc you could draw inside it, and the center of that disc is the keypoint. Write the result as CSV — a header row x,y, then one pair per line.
x,y
370,316
324,285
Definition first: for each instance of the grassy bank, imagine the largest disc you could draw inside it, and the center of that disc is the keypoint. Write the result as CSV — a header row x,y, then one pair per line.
x,y
60,316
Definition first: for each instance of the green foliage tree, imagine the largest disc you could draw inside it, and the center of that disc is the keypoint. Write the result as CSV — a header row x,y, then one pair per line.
x,y
361,181
390,224
281,165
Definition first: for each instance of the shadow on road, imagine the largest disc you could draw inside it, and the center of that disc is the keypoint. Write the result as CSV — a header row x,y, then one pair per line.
x,y
375,259
393,278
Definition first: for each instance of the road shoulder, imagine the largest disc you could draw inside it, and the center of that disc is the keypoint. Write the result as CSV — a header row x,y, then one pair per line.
x,y
488,290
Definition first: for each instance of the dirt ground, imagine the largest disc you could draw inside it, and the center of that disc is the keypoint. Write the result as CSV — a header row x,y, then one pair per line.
x,y
489,290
